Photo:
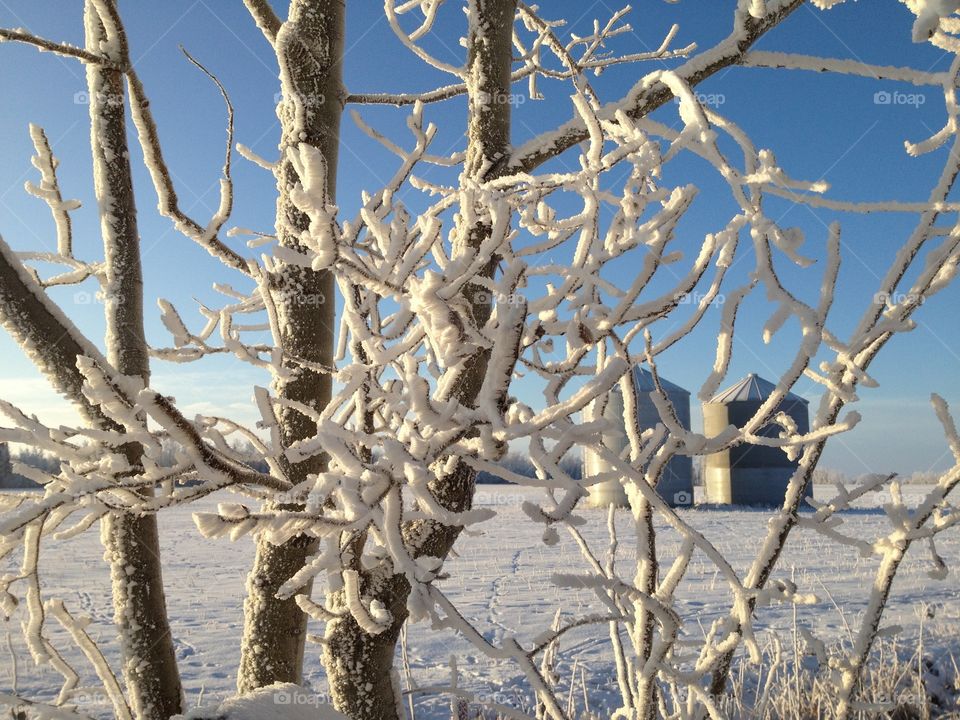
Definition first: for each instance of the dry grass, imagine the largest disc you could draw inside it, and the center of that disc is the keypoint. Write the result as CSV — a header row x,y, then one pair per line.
x,y
899,684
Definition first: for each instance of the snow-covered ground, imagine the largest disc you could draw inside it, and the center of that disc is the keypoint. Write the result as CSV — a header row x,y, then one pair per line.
x,y
501,581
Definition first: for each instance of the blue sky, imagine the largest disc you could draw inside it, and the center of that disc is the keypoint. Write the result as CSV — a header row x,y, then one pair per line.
x,y
820,127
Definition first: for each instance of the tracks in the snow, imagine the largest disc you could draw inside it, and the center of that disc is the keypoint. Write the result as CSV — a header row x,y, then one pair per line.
x,y
495,629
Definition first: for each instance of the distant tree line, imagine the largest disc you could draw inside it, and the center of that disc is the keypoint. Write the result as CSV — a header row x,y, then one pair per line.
x,y
50,464
521,465
514,462
9,480
826,476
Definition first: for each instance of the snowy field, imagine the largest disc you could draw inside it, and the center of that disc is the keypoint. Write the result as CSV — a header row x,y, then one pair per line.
x,y
500,580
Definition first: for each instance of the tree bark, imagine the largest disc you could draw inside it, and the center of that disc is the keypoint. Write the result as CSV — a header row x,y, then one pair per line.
x,y
309,48
360,666
51,341
132,542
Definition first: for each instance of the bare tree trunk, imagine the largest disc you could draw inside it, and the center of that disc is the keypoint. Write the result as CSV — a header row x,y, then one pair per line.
x,y
132,542
882,584
360,666
309,47
644,693
646,580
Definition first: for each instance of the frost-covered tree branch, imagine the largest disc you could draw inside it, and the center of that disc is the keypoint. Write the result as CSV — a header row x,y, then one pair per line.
x,y
265,17
648,95
63,49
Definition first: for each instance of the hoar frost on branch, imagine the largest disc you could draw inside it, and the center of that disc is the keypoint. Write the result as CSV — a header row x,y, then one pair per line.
x,y
444,309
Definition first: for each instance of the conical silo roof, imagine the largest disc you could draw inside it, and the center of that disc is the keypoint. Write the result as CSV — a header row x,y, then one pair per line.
x,y
643,379
751,388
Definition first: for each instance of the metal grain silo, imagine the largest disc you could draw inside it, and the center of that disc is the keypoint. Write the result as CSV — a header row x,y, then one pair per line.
x,y
676,482
749,474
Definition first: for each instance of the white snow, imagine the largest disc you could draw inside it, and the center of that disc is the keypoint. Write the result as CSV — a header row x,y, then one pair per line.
x,y
929,13
281,701
500,581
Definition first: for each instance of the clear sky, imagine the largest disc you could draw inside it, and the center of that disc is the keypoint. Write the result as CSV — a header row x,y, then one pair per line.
x,y
820,127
